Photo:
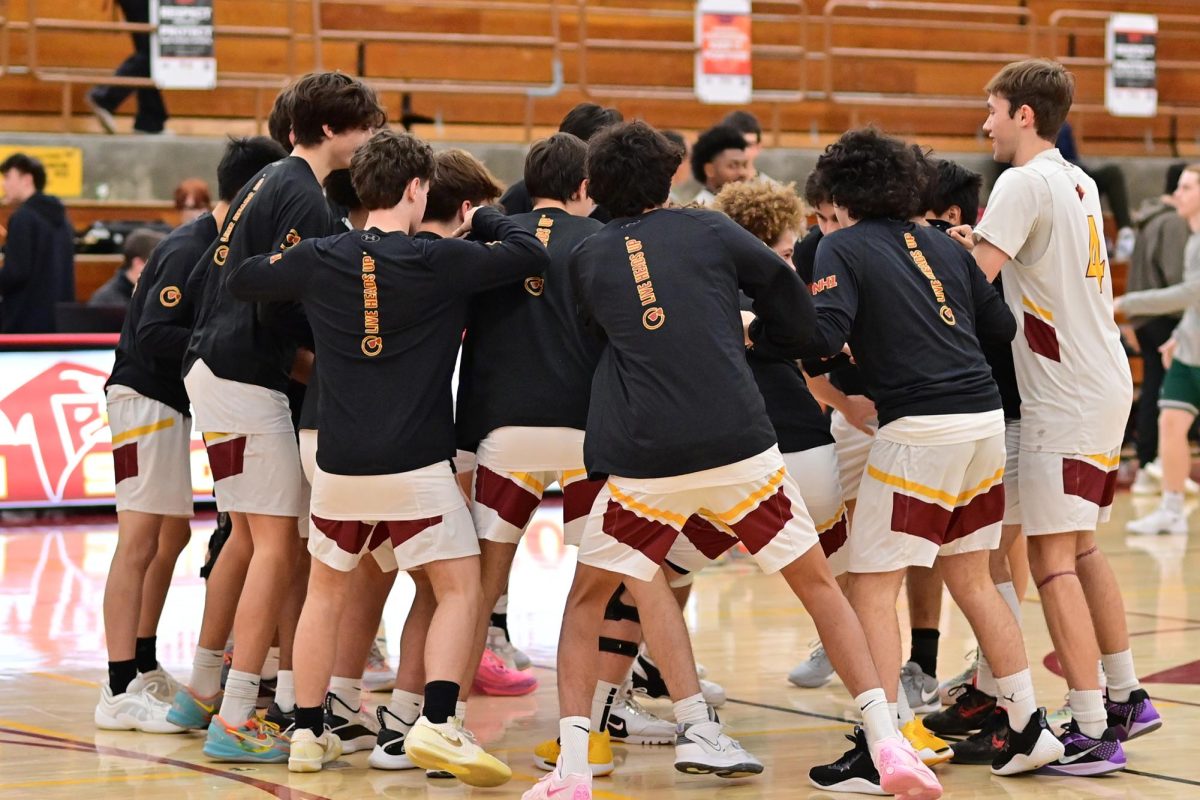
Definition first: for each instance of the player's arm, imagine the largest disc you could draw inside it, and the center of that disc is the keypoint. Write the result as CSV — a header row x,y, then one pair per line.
x,y
1008,220
510,254
583,309
994,321
18,257
166,322
835,301
274,277
856,408
1167,300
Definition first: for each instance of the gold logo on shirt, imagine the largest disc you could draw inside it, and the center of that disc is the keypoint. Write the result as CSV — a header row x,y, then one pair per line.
x,y
221,254
292,239
947,314
535,286
372,345
170,296
653,318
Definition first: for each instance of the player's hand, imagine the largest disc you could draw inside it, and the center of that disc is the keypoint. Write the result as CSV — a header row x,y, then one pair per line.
x,y
1168,352
302,365
860,412
1130,336
465,228
747,318
964,235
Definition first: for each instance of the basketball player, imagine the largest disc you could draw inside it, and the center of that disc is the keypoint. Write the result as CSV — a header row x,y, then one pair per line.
x,y
676,425
236,371
718,157
151,424
1043,226
389,309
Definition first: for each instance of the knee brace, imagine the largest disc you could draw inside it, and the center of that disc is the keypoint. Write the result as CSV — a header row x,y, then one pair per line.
x,y
618,647
616,610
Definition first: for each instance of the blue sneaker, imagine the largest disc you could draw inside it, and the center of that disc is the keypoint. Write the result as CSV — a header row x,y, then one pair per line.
x,y
254,741
192,712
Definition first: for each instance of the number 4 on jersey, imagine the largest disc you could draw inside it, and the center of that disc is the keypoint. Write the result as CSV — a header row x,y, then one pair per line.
x,y
1096,262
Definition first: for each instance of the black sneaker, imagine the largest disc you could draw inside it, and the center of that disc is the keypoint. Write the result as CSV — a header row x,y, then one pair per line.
x,y
970,711
986,744
853,772
355,727
284,720
1085,756
648,679
266,692
389,744
1031,749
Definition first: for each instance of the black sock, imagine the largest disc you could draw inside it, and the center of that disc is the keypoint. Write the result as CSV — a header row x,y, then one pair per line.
x,y
440,699
120,673
146,654
312,718
925,649
501,621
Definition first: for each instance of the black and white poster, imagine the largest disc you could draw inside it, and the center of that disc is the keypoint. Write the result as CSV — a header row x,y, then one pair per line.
x,y
181,49
1131,81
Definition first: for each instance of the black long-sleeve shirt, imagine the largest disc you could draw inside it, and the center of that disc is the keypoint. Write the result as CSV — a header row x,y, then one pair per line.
x,y
526,358
387,311
673,393
159,321
282,206
39,266
914,307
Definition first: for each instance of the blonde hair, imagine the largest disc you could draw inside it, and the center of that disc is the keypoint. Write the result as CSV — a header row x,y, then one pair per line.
x,y
764,208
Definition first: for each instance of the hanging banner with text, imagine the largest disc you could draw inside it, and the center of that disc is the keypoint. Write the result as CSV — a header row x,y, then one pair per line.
x,y
723,51
1131,80
181,50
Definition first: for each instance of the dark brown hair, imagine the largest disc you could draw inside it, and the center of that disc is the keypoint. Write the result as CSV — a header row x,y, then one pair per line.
x,y
1044,85
333,99
629,168
381,169
555,167
460,176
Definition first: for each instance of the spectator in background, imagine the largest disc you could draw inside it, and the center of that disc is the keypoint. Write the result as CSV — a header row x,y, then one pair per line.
x,y
118,290
684,170
718,158
1110,180
104,100
747,124
192,198
1157,263
39,257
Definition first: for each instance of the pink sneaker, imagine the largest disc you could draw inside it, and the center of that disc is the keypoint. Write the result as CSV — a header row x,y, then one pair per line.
x,y
901,772
494,678
554,787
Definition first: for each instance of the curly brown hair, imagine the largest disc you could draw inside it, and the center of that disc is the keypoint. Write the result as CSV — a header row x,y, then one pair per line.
x,y
764,208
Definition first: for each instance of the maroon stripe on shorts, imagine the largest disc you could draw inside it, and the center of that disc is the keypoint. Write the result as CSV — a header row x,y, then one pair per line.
x,y
651,539
916,517
578,499
400,531
1042,337
511,501
227,458
982,510
760,526
707,538
125,463
833,538
1086,480
348,534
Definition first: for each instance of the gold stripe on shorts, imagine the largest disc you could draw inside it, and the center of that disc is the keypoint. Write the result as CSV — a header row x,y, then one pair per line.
x,y
133,433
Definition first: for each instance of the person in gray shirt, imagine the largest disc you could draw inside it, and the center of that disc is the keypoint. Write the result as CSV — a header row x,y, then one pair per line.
x,y
1179,401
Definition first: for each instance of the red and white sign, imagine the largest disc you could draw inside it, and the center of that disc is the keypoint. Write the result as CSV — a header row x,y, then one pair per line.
x,y
55,445
723,51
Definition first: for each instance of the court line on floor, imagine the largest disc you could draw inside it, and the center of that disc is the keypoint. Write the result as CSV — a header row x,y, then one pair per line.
x,y
1157,776
165,776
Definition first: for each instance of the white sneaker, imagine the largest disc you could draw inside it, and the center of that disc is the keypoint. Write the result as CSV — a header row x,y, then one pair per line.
x,y
448,747
631,723
498,643
813,673
356,728
389,745
964,677
379,676
159,683
704,749
1160,520
1155,471
309,752
134,710
1145,484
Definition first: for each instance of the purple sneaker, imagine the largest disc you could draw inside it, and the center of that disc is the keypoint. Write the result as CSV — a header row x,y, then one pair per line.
x,y
1133,718
1085,756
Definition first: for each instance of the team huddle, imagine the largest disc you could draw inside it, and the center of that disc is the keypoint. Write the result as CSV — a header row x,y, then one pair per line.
x,y
666,366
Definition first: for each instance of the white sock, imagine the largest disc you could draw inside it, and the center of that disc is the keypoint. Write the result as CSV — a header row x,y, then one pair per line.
x,y
285,690
460,710
985,681
1087,709
879,720
573,740
1173,502
241,697
1120,675
691,710
904,712
406,706
348,690
501,606
605,696
271,665
1009,593
206,671
1017,697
